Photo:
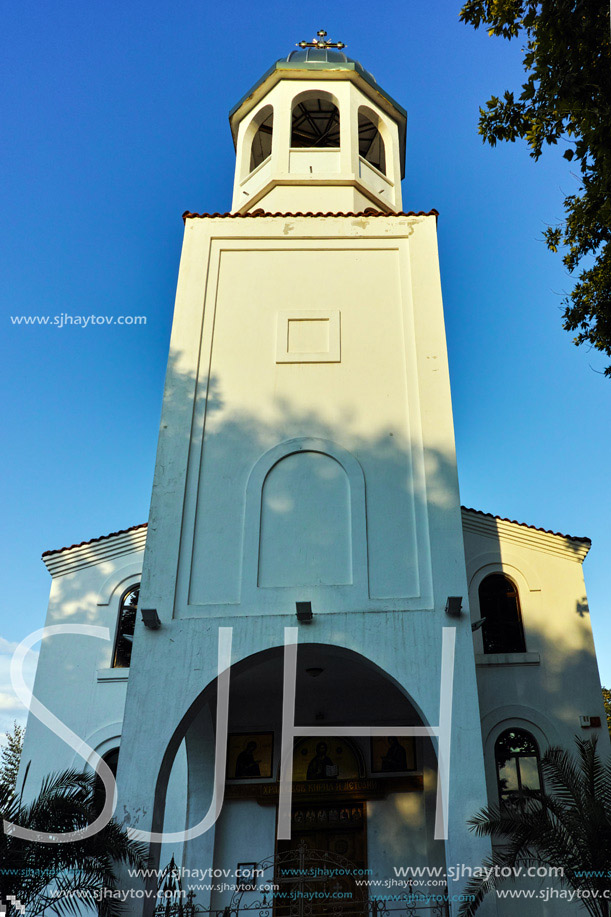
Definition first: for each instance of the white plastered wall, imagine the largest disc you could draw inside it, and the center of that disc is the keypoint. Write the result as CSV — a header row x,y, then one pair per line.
x,y
382,411
74,677
546,689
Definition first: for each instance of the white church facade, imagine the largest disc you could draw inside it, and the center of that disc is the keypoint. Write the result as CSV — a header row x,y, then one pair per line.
x,y
305,507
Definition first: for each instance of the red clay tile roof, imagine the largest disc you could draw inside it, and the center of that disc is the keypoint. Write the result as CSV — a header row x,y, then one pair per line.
x,y
468,509
526,525
69,547
370,212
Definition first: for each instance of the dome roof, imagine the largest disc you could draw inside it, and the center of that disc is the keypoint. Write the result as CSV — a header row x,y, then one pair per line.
x,y
318,60
318,57
332,55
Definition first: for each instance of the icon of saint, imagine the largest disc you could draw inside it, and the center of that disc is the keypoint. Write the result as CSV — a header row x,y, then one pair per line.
x,y
246,764
395,758
321,767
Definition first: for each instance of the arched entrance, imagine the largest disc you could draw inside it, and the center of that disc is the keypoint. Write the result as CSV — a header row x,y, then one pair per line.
x,y
370,801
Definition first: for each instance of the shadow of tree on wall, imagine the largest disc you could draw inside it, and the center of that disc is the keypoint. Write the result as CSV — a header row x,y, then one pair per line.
x,y
386,455
398,476
389,459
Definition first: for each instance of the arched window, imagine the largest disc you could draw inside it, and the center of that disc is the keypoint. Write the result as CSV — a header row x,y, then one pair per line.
x,y
128,606
500,606
518,771
371,144
261,146
112,759
315,123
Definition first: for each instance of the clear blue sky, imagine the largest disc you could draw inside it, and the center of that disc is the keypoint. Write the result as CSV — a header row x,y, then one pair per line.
x,y
114,118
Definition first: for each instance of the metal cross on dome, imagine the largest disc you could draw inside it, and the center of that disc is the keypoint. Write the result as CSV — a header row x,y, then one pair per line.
x,y
320,42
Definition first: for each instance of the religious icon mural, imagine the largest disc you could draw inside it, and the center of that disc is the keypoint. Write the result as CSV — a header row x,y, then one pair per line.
x,y
325,758
393,754
249,755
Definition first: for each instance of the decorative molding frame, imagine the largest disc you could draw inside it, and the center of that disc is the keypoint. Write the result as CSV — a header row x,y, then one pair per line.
x,y
177,530
358,512
102,741
513,715
495,562
118,581
500,718
333,352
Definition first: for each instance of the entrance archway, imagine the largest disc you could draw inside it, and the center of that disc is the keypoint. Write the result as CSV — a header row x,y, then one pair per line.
x,y
378,812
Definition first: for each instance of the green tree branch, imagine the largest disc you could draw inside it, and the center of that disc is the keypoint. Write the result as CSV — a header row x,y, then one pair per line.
x,y
566,96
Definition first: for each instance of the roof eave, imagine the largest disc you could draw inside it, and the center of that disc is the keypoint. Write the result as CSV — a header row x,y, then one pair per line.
x,y
577,547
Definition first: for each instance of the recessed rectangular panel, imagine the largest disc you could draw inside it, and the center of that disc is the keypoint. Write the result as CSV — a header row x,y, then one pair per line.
x,y
308,336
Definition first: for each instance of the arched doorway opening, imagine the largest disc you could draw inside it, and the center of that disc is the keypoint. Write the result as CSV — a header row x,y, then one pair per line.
x,y
368,800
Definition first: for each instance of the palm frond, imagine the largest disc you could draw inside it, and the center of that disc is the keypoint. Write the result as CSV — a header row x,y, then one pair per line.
x,y
568,827
63,878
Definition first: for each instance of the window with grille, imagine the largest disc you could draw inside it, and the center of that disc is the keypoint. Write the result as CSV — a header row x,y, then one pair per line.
x,y
128,606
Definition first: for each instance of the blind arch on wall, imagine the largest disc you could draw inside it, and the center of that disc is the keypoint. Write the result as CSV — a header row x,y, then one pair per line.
x,y
305,529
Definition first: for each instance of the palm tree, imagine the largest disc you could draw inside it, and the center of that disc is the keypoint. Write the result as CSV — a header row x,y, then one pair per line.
x,y
10,755
567,826
64,878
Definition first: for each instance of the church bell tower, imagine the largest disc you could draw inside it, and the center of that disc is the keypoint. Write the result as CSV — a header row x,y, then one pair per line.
x,y
306,483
